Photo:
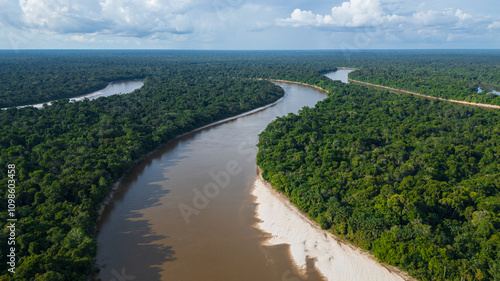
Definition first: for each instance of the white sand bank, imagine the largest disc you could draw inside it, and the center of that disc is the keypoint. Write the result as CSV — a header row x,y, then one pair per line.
x,y
333,258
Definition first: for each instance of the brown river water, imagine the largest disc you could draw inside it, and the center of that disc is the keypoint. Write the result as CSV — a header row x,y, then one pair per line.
x,y
186,212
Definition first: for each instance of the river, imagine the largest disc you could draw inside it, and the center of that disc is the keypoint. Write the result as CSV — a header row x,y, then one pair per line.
x,y
340,74
186,212
114,88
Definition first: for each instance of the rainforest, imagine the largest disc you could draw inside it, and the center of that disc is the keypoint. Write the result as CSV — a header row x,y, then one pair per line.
x,y
415,182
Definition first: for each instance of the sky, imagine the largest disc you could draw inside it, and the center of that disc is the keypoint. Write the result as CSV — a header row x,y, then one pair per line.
x,y
249,24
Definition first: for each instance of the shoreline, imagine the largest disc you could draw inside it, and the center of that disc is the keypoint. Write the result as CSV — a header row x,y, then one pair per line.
x,y
334,258
346,68
300,83
294,82
482,105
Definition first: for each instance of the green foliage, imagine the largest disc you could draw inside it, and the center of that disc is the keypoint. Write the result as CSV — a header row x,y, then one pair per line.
x,y
68,155
412,180
446,74
30,77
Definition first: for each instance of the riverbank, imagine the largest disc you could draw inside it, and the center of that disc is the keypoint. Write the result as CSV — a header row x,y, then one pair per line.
x,y
334,258
482,105
346,68
300,83
296,83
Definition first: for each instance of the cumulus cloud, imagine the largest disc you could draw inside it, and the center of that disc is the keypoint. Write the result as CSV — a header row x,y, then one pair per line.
x,y
448,17
355,13
215,23
461,15
122,17
361,13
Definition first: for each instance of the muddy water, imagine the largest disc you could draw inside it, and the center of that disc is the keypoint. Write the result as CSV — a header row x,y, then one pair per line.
x,y
186,213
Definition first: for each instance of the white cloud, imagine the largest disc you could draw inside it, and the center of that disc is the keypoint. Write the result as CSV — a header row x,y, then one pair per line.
x,y
427,17
149,17
445,25
494,25
214,24
155,20
299,17
123,17
360,13
355,13
461,15
447,17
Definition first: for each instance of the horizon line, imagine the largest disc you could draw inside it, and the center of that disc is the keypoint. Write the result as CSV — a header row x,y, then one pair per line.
x,y
261,50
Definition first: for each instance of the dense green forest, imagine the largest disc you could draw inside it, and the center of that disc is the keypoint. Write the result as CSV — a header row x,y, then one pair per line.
x,y
439,159
451,75
414,181
30,77
35,77
68,155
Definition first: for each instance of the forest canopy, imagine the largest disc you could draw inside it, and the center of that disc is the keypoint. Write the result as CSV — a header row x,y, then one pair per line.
x,y
446,74
68,155
414,181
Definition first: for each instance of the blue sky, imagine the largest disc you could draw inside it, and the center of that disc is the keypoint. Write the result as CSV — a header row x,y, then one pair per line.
x,y
249,24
